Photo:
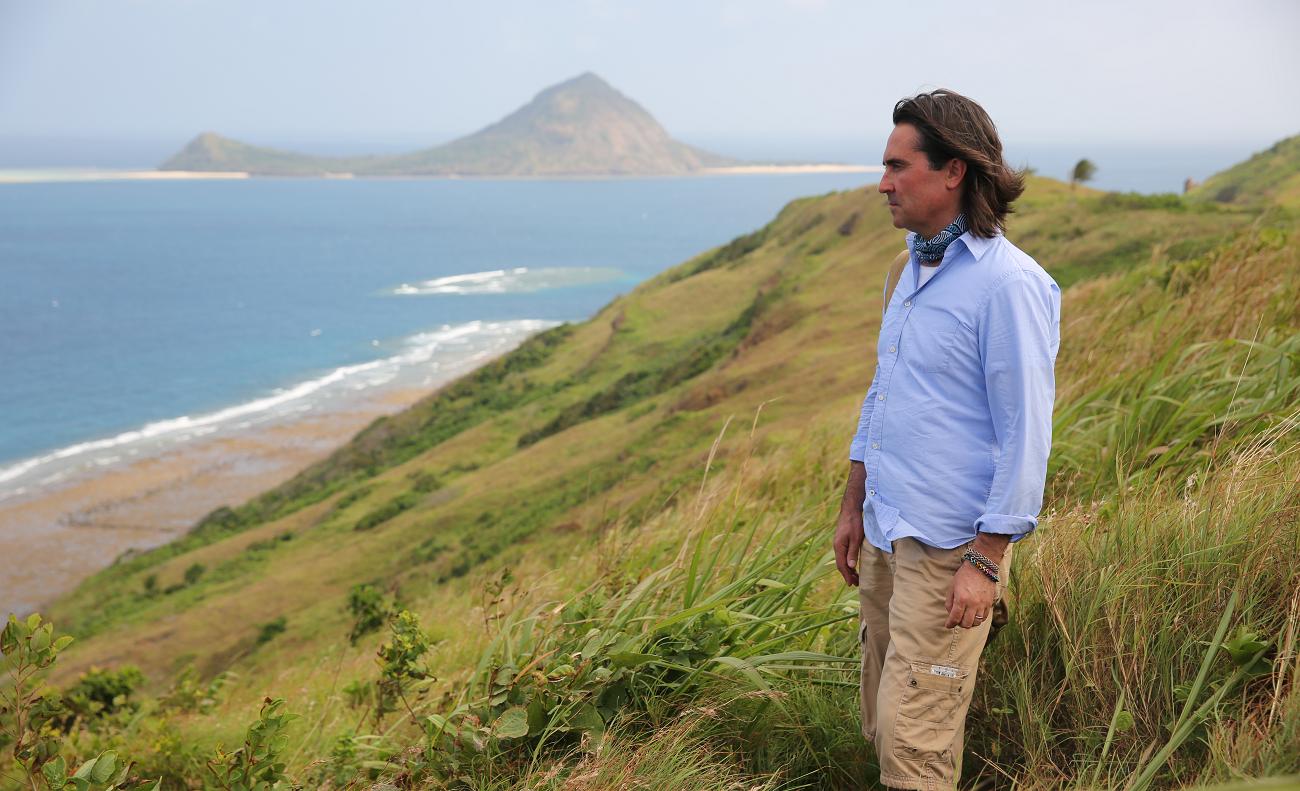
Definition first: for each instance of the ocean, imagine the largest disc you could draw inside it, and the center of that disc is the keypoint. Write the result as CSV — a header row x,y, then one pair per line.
x,y
138,315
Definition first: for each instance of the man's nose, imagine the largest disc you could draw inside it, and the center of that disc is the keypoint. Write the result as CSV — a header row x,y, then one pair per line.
x,y
884,186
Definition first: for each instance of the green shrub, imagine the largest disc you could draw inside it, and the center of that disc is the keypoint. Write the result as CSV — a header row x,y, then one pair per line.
x,y
268,631
258,764
388,510
370,610
99,692
194,572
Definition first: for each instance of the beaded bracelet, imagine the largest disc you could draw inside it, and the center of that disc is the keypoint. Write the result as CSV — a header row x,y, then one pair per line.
x,y
985,566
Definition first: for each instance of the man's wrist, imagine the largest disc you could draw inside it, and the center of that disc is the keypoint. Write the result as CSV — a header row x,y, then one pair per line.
x,y
992,546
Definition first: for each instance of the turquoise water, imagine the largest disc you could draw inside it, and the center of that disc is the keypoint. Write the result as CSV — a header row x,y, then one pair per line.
x,y
136,312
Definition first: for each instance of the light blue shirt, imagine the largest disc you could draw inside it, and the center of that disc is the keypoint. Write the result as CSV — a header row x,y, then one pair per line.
x,y
956,427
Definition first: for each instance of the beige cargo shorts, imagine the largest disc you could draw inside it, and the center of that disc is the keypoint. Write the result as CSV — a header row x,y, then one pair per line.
x,y
917,676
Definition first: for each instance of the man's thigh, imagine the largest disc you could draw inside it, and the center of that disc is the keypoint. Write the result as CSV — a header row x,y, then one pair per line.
x,y
928,672
875,588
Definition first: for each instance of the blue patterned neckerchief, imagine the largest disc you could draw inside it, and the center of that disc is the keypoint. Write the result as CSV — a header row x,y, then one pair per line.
x,y
932,249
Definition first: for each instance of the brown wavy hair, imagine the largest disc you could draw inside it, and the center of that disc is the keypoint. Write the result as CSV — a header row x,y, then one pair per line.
x,y
952,126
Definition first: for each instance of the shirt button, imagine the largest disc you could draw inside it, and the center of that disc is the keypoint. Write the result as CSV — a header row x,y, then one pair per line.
x,y
880,397
872,492
907,304
893,348
875,446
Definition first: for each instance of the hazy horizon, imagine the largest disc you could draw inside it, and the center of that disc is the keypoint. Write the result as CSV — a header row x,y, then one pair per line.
x,y
1125,166
1199,72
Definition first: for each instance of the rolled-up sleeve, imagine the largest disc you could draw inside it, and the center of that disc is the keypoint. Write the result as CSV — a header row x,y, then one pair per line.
x,y
858,448
1019,335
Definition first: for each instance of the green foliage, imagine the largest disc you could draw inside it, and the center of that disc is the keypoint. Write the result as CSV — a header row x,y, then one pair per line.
x,y
104,772
345,761
194,572
736,606
667,371
401,665
258,764
390,509
732,251
189,694
424,482
355,495
31,713
1082,171
268,544
1272,175
1170,418
370,609
1138,201
99,692
268,631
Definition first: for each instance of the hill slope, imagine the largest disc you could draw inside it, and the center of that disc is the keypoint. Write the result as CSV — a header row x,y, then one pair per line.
x,y
1270,177
578,127
585,465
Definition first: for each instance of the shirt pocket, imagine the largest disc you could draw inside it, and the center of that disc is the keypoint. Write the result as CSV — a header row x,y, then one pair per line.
x,y
929,348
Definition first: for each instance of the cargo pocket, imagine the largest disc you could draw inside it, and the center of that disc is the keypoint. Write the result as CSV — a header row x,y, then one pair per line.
x,y
929,708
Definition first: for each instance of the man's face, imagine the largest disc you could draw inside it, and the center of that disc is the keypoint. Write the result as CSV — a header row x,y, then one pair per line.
x,y
920,199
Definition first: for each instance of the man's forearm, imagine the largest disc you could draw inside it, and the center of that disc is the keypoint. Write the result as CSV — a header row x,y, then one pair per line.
x,y
855,490
992,545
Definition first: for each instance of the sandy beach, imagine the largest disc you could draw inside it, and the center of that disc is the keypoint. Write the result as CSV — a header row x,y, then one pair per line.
x,y
54,538
753,170
42,175
36,176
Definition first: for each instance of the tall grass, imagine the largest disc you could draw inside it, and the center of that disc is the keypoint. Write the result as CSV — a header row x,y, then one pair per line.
x,y
1155,614
1115,619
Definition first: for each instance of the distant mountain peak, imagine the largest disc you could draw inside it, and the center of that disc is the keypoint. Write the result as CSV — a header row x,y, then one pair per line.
x,y
581,126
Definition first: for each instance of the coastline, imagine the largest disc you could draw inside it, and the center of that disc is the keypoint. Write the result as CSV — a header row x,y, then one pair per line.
x,y
54,175
765,170
56,535
57,175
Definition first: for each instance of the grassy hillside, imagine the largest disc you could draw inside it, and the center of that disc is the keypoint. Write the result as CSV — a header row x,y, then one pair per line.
x,y
1269,177
614,542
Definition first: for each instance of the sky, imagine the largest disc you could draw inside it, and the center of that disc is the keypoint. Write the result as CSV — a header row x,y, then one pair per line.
x,y
402,72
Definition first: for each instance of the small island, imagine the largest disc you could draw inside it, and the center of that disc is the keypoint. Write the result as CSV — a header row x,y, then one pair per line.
x,y
582,127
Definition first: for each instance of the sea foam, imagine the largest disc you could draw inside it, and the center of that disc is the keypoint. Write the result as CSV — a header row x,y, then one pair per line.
x,y
424,360
519,280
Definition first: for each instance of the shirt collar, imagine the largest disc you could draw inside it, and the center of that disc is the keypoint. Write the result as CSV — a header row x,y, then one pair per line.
x,y
977,245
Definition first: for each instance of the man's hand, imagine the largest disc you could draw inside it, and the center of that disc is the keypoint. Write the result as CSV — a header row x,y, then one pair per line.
x,y
848,529
970,599
848,540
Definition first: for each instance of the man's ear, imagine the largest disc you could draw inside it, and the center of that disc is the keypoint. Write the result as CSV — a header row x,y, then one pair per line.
x,y
955,172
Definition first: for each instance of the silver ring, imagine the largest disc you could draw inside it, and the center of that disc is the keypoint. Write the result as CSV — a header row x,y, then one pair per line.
x,y
979,617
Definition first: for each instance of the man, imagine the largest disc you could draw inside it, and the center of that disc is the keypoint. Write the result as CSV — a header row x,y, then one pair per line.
x,y
948,463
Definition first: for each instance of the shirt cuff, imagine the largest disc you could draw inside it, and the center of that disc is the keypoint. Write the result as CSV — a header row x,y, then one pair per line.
x,y
1004,524
858,451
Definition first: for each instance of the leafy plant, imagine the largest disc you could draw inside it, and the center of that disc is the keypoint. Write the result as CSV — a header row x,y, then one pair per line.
x,y
257,765
401,662
32,712
103,692
189,694
370,610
